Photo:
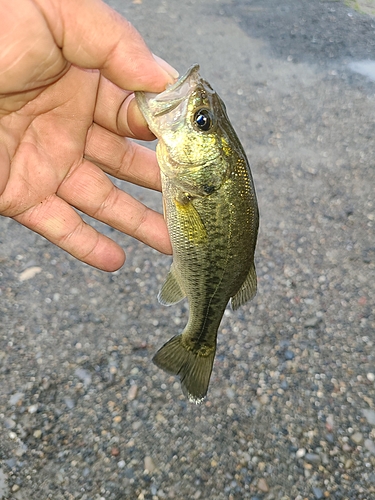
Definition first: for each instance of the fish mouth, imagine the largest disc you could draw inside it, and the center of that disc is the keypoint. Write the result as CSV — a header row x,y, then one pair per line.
x,y
155,105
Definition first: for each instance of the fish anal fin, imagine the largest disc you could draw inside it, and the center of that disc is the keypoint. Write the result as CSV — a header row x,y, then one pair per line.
x,y
247,291
193,367
171,292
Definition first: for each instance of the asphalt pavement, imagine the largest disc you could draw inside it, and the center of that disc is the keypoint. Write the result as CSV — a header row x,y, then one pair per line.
x,y
290,412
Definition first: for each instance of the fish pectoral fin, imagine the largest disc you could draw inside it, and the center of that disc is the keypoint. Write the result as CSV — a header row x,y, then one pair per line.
x,y
247,291
190,221
193,368
171,292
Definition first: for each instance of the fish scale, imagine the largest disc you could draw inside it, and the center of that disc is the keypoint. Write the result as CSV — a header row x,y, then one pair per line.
x,y
212,217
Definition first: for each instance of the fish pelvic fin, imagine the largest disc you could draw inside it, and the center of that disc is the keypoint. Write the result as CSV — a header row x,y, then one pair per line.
x,y
171,292
247,291
194,367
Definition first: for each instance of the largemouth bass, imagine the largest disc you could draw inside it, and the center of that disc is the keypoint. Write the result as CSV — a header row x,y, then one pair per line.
x,y
212,217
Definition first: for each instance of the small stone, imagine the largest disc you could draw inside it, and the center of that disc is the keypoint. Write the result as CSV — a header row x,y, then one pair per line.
x,y
371,377
83,375
312,322
312,458
117,419
113,370
59,478
121,464
21,451
348,463
230,393
300,453
16,398
370,446
132,393
263,486
153,489
369,416
346,447
357,438
159,417
37,434
262,466
318,493
9,423
15,488
29,273
69,403
149,464
330,423
330,438
264,399
32,409
289,355
115,452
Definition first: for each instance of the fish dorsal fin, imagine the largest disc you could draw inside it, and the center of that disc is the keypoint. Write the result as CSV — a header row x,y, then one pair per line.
x,y
247,291
170,292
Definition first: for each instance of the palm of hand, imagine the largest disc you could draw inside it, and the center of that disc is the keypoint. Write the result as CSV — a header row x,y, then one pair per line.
x,y
62,127
46,149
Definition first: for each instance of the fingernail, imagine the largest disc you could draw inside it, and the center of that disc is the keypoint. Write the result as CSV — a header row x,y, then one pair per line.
x,y
166,67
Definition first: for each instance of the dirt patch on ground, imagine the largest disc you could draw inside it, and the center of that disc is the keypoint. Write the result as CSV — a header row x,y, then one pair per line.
x,y
367,6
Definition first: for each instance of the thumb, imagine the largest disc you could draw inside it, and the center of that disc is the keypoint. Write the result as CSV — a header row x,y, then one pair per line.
x,y
92,35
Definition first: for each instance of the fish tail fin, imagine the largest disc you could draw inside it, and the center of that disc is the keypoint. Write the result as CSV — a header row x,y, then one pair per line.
x,y
193,367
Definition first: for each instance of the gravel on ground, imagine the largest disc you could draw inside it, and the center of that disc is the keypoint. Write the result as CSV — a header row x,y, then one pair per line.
x,y
290,414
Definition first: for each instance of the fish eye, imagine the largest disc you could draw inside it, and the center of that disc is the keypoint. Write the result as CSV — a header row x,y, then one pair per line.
x,y
203,119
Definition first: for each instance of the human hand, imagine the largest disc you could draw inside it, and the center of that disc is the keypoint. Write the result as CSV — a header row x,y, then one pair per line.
x,y
64,117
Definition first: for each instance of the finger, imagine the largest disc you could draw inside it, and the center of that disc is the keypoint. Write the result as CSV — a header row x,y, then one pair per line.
x,y
4,169
92,192
29,57
92,35
117,111
122,158
60,223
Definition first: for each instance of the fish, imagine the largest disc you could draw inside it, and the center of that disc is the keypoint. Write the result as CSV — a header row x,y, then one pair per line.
x,y
211,211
